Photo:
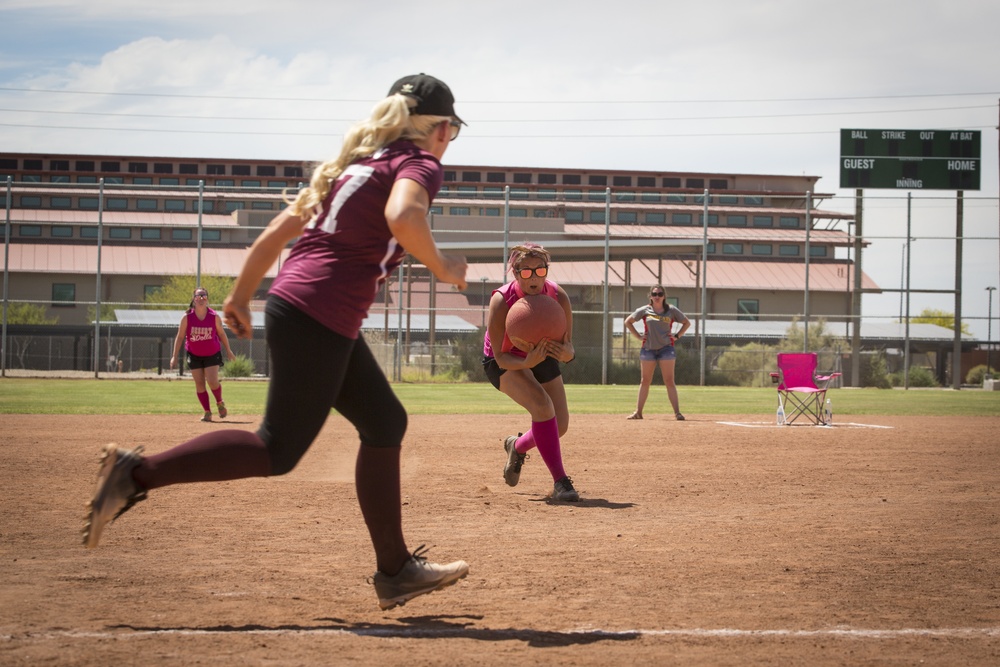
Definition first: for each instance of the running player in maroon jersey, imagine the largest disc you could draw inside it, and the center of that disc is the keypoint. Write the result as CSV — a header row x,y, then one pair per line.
x,y
360,214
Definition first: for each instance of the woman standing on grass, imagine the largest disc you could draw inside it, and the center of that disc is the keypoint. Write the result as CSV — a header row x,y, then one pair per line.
x,y
658,340
362,212
203,337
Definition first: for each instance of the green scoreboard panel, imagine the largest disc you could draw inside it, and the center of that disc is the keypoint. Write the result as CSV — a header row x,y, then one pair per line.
x,y
910,159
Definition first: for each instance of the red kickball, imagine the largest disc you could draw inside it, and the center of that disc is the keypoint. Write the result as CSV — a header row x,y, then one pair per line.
x,y
535,317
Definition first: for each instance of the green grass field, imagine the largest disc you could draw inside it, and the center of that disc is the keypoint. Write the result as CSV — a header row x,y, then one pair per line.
x,y
59,396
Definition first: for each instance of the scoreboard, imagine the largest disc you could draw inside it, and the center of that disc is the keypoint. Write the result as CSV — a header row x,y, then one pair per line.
x,y
910,159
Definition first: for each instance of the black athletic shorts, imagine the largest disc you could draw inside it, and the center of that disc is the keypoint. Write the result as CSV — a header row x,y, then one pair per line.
x,y
194,361
547,371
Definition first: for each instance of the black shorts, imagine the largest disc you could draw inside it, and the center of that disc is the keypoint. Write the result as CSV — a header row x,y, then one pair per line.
x,y
547,371
194,361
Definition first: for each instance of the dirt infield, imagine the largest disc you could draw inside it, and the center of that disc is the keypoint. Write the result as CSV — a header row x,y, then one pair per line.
x,y
716,541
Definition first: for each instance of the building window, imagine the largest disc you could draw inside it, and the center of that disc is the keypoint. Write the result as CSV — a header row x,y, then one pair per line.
x,y
240,170
546,193
596,195
700,199
492,211
468,191
496,177
695,183
60,202
262,206
30,230
150,234
211,235
650,196
137,167
182,234
628,216
234,206
596,216
676,199
736,220
116,204
61,231
597,179
34,165
30,178
250,184
111,166
449,176
671,182
471,177
574,216
114,180
518,213
277,184
292,172
266,170
436,210
146,204
90,180
59,165
63,295
680,219
817,251
522,178
206,206
571,179
542,213
492,192
753,201
789,221
119,232
187,169
761,249
711,248
215,169
518,193
192,181
732,248
9,163
88,232
31,201
573,195
622,181
763,221
718,184
625,196
748,309
225,183
85,165
59,179
728,200
458,210
142,180
646,182
788,250
173,205
656,218
713,220
89,203
170,181
546,179
163,168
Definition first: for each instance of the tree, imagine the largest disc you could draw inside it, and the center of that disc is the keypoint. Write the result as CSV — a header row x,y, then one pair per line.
x,y
940,318
176,293
26,313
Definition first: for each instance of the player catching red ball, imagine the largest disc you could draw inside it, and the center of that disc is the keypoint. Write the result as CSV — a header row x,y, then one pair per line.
x,y
529,372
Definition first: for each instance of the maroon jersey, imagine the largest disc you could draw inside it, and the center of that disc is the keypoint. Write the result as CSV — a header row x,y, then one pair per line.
x,y
334,271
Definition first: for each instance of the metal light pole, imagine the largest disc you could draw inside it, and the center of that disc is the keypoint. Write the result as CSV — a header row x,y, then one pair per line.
x,y
483,302
989,329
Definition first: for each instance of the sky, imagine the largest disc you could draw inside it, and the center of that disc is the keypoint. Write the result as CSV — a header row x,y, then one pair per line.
x,y
722,86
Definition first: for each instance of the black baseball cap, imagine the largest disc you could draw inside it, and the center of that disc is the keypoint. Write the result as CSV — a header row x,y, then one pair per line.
x,y
433,96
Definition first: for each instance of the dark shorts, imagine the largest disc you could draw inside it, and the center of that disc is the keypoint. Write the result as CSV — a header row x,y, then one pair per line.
x,y
547,371
666,352
194,361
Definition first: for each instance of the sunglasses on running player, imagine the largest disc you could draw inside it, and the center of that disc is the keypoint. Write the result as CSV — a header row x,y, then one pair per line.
x,y
456,127
541,272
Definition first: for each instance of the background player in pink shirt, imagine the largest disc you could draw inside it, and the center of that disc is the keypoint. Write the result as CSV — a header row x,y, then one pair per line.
x,y
203,336
531,377
360,214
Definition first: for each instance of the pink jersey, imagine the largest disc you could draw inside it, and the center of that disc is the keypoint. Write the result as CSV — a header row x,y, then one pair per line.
x,y
336,268
512,292
202,338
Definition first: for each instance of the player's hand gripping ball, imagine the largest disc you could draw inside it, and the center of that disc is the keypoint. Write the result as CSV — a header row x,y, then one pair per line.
x,y
535,317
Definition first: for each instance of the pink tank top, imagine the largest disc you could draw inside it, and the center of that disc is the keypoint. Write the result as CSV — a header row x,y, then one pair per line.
x,y
202,339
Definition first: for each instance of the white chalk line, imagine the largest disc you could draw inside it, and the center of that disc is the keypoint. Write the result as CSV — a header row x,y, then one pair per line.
x,y
473,632
771,424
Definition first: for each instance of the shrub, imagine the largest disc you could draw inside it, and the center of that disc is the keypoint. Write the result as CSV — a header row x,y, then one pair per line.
x,y
977,374
240,367
874,372
922,377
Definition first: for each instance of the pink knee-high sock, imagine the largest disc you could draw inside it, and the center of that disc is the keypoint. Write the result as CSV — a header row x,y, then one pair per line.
x,y
203,398
217,392
546,437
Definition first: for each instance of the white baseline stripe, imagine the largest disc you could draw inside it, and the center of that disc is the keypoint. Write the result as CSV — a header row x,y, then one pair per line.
x,y
771,424
405,631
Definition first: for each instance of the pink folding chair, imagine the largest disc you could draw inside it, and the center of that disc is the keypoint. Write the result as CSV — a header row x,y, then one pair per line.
x,y
801,393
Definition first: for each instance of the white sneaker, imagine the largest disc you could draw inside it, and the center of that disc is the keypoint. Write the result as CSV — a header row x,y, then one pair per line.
x,y
116,491
417,577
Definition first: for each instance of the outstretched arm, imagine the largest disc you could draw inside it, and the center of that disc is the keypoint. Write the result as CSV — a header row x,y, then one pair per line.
x,y
406,213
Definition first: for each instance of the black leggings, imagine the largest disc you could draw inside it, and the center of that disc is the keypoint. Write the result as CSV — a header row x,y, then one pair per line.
x,y
313,370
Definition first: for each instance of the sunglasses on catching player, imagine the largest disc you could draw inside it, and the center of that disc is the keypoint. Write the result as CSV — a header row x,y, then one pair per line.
x,y
656,294
201,294
541,272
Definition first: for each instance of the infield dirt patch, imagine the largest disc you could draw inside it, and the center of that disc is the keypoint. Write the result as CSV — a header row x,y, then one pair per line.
x,y
696,543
